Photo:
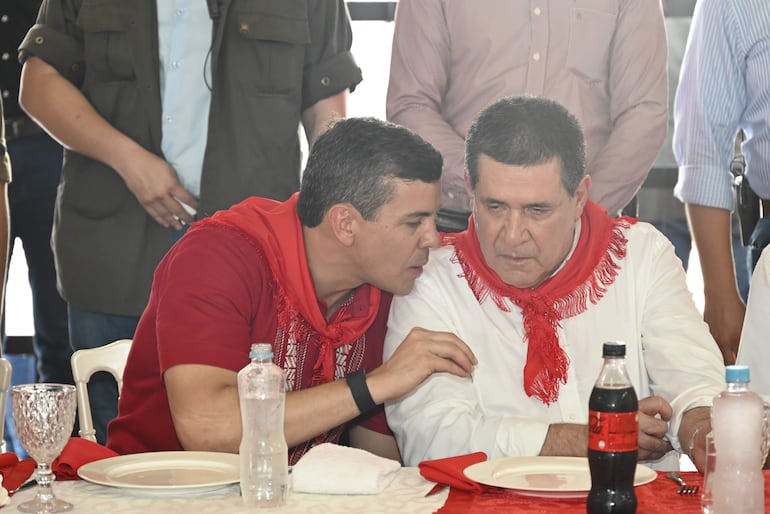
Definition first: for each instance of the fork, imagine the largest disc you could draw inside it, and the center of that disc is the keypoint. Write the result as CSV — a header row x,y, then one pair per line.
x,y
684,487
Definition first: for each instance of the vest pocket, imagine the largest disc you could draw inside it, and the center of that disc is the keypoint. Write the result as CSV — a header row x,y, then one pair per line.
x,y
273,38
105,41
283,21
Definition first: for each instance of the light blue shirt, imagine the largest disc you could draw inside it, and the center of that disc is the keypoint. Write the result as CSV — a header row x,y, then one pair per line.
x,y
724,85
184,36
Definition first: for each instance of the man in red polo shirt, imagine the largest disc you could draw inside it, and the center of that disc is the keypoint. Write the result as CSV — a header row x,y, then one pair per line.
x,y
308,276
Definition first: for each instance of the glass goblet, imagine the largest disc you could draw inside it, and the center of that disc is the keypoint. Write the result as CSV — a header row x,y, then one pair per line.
x,y
44,415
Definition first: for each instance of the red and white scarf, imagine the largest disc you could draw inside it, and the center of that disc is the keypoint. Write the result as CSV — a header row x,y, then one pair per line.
x,y
276,231
586,275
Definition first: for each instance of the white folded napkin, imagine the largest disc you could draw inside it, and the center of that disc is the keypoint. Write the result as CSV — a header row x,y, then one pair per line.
x,y
334,469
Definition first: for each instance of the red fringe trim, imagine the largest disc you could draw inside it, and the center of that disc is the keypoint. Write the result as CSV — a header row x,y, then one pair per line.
x,y
293,325
547,366
571,304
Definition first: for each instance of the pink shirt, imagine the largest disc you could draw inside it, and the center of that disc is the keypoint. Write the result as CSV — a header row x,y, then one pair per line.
x,y
604,60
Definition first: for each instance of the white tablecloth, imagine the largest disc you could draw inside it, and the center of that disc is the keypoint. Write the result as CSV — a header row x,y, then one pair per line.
x,y
405,495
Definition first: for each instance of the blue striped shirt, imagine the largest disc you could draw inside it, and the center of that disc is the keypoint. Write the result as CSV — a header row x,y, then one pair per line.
x,y
184,37
724,85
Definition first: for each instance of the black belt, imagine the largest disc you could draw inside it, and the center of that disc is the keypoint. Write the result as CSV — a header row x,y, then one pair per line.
x,y
21,127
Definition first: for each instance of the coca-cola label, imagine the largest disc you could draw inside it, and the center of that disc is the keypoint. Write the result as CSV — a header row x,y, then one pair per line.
x,y
613,431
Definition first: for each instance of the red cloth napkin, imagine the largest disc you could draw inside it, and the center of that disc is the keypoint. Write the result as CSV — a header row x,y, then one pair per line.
x,y
76,453
15,472
449,471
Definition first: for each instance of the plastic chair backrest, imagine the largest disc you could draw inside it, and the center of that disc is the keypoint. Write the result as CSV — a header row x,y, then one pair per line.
x,y
110,358
5,384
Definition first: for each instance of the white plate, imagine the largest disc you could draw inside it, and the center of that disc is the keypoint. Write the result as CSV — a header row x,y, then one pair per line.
x,y
165,472
551,477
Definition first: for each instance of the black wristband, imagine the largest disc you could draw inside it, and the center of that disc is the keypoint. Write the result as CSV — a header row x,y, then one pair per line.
x,y
361,395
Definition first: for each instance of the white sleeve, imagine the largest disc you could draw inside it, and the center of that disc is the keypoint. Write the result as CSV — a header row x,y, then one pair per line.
x,y
754,350
681,357
710,100
447,415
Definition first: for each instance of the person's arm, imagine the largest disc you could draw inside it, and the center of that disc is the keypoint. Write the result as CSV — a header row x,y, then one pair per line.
x,y
566,439
207,396
317,117
5,215
62,109
704,135
5,230
723,308
681,359
571,440
419,75
329,69
638,89
449,415
696,423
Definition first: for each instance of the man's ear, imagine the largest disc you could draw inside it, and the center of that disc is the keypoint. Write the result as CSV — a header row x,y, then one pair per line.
x,y
582,194
469,191
343,221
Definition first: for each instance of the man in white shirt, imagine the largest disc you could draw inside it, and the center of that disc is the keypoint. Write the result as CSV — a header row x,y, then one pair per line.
x,y
541,279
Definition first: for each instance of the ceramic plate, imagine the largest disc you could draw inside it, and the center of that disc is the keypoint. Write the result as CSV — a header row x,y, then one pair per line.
x,y
165,472
552,477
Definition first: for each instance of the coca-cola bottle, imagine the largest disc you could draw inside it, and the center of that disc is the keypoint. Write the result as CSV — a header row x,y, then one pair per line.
x,y
613,436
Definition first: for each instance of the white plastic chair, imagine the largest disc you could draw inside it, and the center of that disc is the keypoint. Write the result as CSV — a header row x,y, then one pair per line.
x,y
5,384
110,358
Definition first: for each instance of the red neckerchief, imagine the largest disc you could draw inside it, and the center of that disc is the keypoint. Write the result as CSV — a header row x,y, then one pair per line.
x,y
274,228
592,267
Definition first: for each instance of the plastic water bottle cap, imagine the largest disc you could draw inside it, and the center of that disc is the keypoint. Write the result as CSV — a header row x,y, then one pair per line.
x,y
261,351
737,373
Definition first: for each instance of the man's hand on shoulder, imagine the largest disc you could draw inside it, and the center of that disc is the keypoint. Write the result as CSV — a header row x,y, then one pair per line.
x,y
422,353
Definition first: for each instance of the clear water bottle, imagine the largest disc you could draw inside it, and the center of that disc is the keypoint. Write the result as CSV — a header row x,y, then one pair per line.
x,y
736,422
613,436
264,454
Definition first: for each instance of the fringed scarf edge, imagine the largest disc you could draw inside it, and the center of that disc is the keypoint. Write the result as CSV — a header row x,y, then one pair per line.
x,y
544,373
574,302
